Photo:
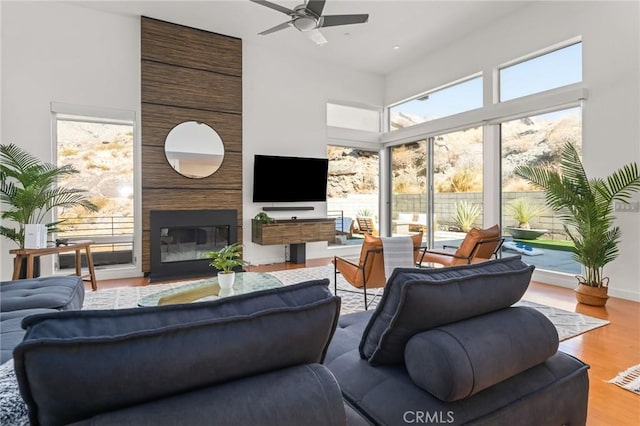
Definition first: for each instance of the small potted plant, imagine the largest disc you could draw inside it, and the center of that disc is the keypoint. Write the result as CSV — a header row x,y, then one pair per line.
x,y
224,260
264,218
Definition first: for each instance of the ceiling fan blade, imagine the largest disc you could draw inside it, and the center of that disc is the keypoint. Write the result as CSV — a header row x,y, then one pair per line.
x,y
316,7
275,7
315,36
334,20
276,28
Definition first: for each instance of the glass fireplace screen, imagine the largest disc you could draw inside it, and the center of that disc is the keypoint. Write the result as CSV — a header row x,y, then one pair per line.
x,y
183,243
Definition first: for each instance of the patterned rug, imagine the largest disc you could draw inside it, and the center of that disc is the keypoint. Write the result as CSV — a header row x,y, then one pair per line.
x,y
568,324
628,379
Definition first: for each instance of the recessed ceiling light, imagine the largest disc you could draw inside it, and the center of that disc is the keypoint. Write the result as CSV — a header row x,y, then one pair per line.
x,y
396,47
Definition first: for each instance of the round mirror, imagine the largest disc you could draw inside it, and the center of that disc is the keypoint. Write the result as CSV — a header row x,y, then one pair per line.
x,y
194,149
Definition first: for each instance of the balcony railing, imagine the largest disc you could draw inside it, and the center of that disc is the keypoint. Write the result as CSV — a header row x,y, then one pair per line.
x,y
103,230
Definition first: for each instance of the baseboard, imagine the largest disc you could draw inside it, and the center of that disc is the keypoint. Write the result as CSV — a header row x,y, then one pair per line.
x,y
569,281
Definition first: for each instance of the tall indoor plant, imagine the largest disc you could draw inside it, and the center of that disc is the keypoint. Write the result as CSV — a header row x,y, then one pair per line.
x,y
28,190
586,207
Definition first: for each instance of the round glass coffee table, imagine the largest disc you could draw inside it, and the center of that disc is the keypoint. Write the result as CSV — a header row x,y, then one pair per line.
x,y
208,289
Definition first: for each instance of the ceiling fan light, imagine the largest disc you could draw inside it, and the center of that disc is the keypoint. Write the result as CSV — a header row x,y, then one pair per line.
x,y
305,23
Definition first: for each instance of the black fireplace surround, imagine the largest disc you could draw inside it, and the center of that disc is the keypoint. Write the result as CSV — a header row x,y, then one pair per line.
x,y
180,240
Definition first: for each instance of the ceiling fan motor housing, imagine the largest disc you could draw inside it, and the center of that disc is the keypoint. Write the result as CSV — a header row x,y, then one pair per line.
x,y
304,20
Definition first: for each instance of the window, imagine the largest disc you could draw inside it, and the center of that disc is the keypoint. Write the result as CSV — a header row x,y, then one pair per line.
x,y
352,191
353,117
102,151
526,219
555,69
450,100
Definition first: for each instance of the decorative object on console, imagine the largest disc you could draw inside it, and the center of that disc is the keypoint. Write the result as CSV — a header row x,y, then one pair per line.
x,y
225,260
586,207
264,218
194,149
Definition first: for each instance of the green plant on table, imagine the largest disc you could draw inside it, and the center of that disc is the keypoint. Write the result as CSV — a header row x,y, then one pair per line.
x,y
586,208
523,210
28,190
263,217
227,258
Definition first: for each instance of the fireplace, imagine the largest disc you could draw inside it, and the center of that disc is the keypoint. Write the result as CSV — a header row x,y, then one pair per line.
x,y
181,239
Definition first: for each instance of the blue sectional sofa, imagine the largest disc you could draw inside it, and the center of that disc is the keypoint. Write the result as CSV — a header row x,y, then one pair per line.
x,y
444,346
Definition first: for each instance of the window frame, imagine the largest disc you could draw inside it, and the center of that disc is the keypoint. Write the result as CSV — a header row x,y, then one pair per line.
x,y
104,115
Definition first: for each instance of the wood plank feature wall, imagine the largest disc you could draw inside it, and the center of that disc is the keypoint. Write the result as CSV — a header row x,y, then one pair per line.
x,y
189,74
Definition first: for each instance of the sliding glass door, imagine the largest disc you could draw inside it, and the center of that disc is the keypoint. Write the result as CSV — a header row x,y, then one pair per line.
x,y
457,185
531,229
409,170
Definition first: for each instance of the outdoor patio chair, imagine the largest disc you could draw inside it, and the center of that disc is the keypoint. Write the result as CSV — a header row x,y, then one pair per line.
x,y
366,225
369,271
479,245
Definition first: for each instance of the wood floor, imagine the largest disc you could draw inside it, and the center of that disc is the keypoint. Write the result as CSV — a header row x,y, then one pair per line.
x,y
608,350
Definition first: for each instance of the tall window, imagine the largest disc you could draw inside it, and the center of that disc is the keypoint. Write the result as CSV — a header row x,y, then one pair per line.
x,y
527,221
102,151
409,173
457,178
352,191
555,69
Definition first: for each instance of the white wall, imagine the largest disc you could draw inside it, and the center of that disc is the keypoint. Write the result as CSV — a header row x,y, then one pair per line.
x,y
64,53
611,73
284,113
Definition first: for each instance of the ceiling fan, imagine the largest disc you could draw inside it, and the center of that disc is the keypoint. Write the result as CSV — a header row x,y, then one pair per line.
x,y
307,18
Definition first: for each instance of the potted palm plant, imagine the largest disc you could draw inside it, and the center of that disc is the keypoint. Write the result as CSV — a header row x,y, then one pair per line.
x,y
586,208
224,260
29,191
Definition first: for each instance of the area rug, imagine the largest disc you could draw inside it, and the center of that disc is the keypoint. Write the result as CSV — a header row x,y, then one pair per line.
x,y
628,379
568,324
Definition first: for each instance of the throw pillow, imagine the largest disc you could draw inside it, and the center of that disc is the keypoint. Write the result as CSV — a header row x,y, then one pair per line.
x,y
417,300
458,360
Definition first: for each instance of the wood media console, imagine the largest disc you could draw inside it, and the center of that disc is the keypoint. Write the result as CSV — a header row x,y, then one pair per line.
x,y
295,232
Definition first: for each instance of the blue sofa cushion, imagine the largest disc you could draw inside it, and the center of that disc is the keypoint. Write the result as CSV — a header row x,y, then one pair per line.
x,y
458,360
111,359
61,293
302,395
414,299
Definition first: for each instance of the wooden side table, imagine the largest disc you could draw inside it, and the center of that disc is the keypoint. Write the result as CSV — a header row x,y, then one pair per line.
x,y
77,246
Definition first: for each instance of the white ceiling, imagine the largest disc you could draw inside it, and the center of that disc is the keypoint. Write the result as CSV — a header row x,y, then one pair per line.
x,y
416,26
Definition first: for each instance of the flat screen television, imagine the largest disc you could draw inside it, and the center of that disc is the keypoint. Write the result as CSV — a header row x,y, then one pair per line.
x,y
289,179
